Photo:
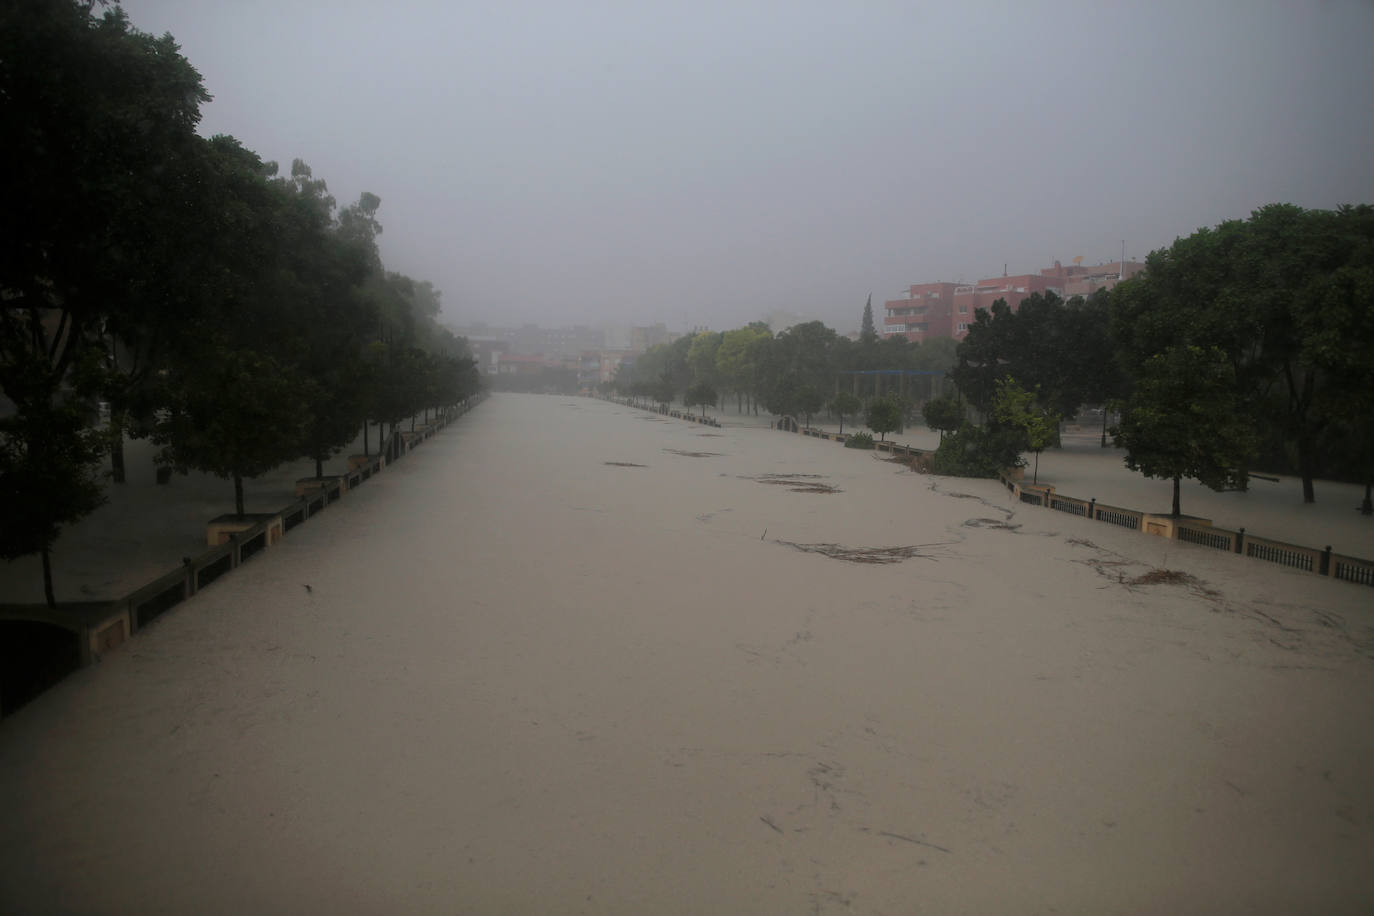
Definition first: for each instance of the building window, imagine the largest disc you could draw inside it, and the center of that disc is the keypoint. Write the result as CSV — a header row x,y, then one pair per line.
x,y
963,310
963,326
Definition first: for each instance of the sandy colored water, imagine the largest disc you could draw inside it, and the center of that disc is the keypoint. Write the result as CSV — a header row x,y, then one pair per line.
x,y
524,680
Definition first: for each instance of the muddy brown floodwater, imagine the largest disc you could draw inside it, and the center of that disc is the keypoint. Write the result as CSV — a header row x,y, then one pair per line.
x,y
528,679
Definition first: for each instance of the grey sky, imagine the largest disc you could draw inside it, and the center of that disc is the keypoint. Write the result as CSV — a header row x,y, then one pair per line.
x,y
706,163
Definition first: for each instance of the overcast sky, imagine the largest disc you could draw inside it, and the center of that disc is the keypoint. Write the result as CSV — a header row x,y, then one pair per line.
x,y
708,163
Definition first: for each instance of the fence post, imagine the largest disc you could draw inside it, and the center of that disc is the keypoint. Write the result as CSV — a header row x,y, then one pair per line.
x,y
1326,561
1240,541
189,588
1092,508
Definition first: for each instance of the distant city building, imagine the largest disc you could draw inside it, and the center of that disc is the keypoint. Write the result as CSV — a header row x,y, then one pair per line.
x,y
487,351
642,338
928,310
599,366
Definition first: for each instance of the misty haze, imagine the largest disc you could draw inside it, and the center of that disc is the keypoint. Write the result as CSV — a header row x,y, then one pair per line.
x,y
635,458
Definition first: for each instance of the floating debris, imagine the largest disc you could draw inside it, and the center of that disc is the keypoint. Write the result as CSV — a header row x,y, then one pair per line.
x,y
1164,577
624,464
994,523
678,451
863,554
797,483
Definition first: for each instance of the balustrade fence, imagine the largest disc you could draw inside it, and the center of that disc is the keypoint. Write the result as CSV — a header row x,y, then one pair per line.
x,y
1202,533
1188,530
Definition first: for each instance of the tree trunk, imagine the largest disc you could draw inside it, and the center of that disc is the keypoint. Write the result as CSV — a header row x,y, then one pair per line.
x,y
116,448
1035,474
1177,513
366,452
1307,467
1367,507
1104,427
47,578
319,466
238,494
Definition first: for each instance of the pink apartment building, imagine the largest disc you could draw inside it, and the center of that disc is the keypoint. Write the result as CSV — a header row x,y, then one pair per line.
x,y
947,309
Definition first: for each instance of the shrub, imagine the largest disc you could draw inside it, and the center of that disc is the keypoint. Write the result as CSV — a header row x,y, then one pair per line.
x,y
973,451
884,415
944,414
859,440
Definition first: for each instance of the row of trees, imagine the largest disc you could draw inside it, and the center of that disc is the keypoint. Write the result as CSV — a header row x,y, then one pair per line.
x,y
238,317
1250,345
796,371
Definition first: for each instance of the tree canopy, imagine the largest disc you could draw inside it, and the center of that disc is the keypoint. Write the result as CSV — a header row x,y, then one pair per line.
x,y
1183,420
208,300
1285,298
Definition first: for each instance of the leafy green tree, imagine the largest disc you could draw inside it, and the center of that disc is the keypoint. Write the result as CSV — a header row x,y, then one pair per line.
x,y
807,349
701,357
664,367
936,354
1099,377
1037,427
700,393
1337,338
48,471
1183,420
233,414
944,414
801,355
845,404
736,360
663,391
883,415
809,401
321,296
983,355
96,118
1058,350
978,451
780,396
400,379
1254,290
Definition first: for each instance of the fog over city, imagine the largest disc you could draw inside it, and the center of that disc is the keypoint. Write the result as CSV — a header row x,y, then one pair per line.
x,y
710,163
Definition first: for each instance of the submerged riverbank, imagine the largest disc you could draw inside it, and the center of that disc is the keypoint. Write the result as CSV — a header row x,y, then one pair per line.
x,y
573,657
